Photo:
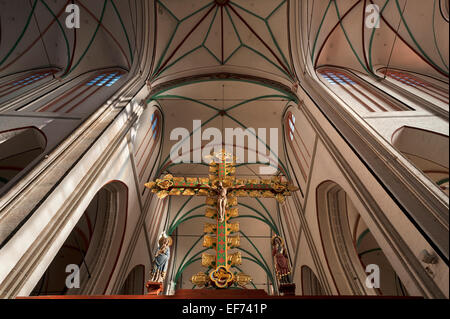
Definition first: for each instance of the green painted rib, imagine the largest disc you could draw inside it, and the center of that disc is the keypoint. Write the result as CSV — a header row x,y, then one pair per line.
x,y
179,211
348,39
63,32
293,97
257,250
184,266
361,236
172,36
262,266
234,26
265,221
179,59
435,38
181,221
184,215
275,10
190,261
268,214
266,21
210,26
242,272
232,54
159,97
124,30
268,222
197,11
21,34
211,53
167,9
267,59
277,45
260,163
257,99
91,41
372,36
157,72
257,261
415,41
246,10
442,181
188,252
250,48
369,251
318,31
184,140
267,146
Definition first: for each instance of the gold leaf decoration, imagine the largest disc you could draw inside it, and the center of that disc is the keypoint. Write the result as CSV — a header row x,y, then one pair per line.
x,y
162,194
233,227
268,194
189,192
208,241
242,279
211,213
200,279
175,191
233,241
241,193
209,228
231,201
208,260
255,194
203,192
235,259
211,201
233,212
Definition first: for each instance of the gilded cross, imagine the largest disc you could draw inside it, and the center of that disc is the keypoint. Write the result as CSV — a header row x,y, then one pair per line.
x,y
221,189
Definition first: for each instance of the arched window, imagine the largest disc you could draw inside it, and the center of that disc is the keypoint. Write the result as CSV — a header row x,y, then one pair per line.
x,y
23,81
370,253
311,286
75,98
135,282
356,93
147,138
18,148
300,151
444,6
93,245
417,84
342,231
427,150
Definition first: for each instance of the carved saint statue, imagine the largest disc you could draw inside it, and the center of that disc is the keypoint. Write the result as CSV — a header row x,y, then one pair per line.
x,y
281,260
161,259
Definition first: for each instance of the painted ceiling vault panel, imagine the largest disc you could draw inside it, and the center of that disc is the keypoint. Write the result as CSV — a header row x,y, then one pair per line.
x,y
199,35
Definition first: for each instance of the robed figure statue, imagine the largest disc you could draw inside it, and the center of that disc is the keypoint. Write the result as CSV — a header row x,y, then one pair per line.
x,y
161,262
281,260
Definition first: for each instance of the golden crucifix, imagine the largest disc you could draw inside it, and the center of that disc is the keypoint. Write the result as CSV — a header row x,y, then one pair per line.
x,y
221,190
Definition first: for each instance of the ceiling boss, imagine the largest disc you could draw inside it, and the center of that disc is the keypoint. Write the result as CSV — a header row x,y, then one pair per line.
x,y
221,189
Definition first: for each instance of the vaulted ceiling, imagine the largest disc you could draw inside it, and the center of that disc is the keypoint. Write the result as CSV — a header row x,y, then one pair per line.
x,y
34,35
228,63
412,35
249,37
